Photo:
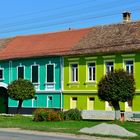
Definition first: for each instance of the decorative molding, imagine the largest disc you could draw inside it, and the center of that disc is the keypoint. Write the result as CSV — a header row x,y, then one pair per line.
x,y
73,59
128,55
109,56
48,91
90,58
80,91
3,85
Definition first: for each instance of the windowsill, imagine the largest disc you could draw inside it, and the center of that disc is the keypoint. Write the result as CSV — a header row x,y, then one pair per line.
x,y
74,83
36,83
90,82
1,79
50,83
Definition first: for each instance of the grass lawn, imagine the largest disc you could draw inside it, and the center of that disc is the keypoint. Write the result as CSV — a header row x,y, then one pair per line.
x,y
62,126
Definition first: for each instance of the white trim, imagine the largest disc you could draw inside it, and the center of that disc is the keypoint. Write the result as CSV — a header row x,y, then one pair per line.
x,y
3,85
109,56
110,60
10,71
70,73
73,59
80,91
87,72
49,83
48,91
90,58
129,59
36,85
128,55
20,65
38,72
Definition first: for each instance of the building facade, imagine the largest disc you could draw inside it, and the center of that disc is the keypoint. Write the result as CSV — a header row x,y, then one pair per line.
x,y
44,73
82,74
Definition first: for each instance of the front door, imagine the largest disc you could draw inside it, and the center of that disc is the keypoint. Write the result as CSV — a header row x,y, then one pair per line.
x,y
3,100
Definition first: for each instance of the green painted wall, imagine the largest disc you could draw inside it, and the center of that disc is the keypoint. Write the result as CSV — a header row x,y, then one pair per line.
x,y
82,101
81,86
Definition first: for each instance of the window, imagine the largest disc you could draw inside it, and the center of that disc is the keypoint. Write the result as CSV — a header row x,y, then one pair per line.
x,y
74,72
74,102
129,66
109,67
1,74
35,74
50,73
21,72
91,72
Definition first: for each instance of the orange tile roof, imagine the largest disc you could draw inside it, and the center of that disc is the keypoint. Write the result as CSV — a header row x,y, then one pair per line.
x,y
57,43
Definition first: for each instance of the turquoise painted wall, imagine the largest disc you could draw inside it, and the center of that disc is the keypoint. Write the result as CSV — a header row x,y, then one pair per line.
x,y
10,74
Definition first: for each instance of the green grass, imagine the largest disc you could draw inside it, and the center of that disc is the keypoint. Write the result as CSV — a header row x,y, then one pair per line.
x,y
61,126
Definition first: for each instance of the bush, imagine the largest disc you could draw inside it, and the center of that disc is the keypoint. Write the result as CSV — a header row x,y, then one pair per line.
x,y
43,114
72,114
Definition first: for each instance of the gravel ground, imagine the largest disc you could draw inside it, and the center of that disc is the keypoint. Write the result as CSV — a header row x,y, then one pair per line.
x,y
108,129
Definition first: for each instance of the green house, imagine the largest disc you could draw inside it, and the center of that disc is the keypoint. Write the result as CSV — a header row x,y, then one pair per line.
x,y
103,49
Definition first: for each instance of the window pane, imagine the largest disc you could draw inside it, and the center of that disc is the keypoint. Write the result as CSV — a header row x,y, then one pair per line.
x,y
1,74
21,72
109,67
91,71
74,72
129,62
50,73
35,74
74,98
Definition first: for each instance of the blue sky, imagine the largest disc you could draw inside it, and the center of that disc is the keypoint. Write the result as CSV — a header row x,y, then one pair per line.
x,y
21,17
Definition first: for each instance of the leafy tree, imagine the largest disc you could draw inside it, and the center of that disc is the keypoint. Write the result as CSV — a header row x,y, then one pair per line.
x,y
115,87
21,90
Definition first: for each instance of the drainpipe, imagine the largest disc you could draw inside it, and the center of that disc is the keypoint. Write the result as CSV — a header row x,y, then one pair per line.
x,y
62,80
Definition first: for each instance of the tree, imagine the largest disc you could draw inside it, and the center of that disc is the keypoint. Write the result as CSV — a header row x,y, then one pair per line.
x,y
115,87
21,90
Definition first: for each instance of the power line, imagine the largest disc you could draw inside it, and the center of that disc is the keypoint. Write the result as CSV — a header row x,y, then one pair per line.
x,y
36,20
62,23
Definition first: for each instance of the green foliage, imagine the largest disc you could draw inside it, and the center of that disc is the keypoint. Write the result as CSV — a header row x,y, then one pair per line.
x,y
116,86
43,114
72,114
21,90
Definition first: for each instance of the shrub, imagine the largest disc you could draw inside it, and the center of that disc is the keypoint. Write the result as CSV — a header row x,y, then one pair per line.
x,y
72,114
43,114
40,114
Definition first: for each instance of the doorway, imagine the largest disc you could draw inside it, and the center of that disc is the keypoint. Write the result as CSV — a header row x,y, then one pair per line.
x,y
3,100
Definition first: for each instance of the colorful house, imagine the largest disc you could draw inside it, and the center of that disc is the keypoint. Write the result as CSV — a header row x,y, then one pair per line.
x,y
65,67
103,49
36,58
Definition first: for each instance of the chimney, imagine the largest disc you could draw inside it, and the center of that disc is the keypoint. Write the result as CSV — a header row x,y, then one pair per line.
x,y
126,17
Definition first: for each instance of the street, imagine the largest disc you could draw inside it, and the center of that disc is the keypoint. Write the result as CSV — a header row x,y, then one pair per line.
x,y
20,136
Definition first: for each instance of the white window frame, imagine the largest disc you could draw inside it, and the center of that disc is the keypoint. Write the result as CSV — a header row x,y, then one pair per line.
x,y
38,73
124,65
53,73
87,71
71,72
105,66
20,65
2,73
